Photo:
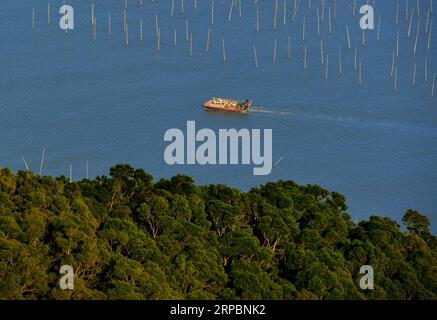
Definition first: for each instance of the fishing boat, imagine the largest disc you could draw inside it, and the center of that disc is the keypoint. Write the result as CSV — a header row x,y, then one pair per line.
x,y
229,105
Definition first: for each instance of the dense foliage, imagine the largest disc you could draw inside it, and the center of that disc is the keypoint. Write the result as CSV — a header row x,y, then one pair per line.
x,y
128,237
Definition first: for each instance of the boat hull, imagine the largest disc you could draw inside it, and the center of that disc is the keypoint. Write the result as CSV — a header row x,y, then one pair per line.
x,y
231,107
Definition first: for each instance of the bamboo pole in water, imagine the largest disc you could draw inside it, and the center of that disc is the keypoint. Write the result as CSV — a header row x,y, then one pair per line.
x,y
414,75
360,74
433,85
175,38
426,69
257,19
276,16
327,67
25,163
322,55
274,50
255,56
42,161
126,35
289,49
285,12
158,43
212,12
429,36
172,8
305,65
33,20
141,29
355,59
392,65
230,10
208,39
109,24
186,30
411,22
417,36
348,37
318,22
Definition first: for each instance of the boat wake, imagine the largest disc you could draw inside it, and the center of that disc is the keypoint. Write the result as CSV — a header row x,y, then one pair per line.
x,y
271,111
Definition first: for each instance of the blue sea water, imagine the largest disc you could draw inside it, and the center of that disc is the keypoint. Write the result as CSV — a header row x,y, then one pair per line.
x,y
105,103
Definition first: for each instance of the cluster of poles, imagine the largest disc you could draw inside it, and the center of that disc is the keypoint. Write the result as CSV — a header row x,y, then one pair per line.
x,y
414,13
41,166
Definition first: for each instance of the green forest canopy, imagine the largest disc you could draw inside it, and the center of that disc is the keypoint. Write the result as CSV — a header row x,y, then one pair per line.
x,y
128,237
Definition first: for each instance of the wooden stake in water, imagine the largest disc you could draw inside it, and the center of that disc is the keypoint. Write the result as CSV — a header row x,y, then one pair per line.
x,y
429,36
327,67
255,56
172,9
141,29
329,21
109,24
305,65
175,38
71,173
126,35
303,29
